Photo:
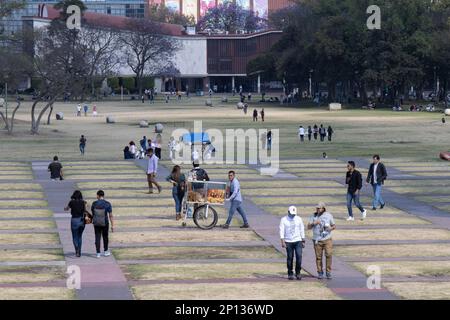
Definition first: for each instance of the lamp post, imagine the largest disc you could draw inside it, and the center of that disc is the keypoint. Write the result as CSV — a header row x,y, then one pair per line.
x,y
310,82
6,100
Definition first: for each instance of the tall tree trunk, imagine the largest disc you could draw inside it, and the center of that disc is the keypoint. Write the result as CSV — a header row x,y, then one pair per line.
x,y
49,115
9,123
36,122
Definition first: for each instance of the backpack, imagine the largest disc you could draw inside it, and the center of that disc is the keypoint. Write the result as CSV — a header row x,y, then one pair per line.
x,y
99,219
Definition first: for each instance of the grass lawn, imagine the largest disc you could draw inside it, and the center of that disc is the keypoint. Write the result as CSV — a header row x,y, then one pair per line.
x,y
26,224
295,191
29,238
312,200
183,236
235,291
31,274
420,290
25,213
420,190
151,200
22,203
20,186
408,268
335,210
392,234
21,194
177,253
388,251
204,271
31,255
37,293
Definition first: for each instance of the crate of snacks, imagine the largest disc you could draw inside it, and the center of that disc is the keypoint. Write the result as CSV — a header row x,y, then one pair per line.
x,y
206,192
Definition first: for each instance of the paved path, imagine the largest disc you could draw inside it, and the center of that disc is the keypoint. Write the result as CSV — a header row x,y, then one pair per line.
x,y
101,279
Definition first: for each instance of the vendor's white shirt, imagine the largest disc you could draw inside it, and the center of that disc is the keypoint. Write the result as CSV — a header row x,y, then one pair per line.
x,y
301,131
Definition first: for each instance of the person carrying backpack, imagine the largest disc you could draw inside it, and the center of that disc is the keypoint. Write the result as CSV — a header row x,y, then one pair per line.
x,y
101,218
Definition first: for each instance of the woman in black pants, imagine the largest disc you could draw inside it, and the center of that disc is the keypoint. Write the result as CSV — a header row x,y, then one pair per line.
x,y
77,208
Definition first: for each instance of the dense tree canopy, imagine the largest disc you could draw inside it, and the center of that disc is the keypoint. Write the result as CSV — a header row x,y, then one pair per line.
x,y
330,40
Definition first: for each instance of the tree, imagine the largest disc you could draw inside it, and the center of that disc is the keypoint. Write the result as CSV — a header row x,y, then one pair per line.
x,y
230,17
146,50
160,13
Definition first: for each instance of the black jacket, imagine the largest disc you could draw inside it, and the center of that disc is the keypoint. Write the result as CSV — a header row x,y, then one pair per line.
x,y
381,174
354,181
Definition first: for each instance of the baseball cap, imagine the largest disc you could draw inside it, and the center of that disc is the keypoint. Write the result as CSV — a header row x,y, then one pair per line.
x,y
292,210
321,205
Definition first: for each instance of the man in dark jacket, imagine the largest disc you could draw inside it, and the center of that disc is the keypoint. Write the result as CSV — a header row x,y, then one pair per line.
x,y
376,176
354,181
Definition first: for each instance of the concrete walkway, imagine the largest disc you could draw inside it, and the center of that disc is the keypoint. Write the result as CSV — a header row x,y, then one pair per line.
x,y
101,279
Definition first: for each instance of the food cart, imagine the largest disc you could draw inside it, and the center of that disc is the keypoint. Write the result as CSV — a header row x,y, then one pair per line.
x,y
200,196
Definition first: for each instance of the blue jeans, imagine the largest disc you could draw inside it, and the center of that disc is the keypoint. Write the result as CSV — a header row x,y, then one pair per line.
x,y
291,248
236,205
77,226
82,146
377,199
177,195
355,198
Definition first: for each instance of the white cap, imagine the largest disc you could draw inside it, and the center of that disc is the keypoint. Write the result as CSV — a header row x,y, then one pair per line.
x,y
293,210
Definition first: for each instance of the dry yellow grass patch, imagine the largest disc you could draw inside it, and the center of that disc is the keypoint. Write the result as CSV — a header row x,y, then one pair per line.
x,y
416,183
167,211
177,253
16,177
137,193
420,190
98,163
29,238
30,274
31,255
431,174
183,236
26,224
392,234
235,291
22,203
433,199
388,251
295,191
424,169
25,213
20,186
312,200
21,195
105,177
289,183
36,293
203,271
420,290
408,268
152,200
101,167
26,172
335,210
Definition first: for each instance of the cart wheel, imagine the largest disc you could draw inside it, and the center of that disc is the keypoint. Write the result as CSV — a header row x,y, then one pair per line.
x,y
205,217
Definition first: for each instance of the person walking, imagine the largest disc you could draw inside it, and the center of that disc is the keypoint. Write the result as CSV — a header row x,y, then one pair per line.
x,y
354,181
102,217
143,143
322,224
292,235
178,181
83,141
235,201
79,110
330,133
301,133
55,169
310,131
152,169
77,207
133,149
158,144
262,114
94,110
322,133
85,109
376,176
315,131
255,115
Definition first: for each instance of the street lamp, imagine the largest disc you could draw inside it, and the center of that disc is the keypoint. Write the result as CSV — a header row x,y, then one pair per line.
x,y
310,82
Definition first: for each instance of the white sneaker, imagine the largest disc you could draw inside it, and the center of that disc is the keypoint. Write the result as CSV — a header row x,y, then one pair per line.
x,y
98,255
364,214
350,219
107,253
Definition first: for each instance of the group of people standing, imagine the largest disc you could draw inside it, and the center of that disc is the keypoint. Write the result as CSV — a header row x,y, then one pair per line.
x,y
316,132
255,114
85,108
131,151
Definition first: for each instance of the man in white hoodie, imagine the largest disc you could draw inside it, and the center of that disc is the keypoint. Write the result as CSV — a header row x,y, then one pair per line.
x,y
292,235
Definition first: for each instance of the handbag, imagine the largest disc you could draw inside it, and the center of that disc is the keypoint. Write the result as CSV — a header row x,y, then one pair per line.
x,y
87,216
